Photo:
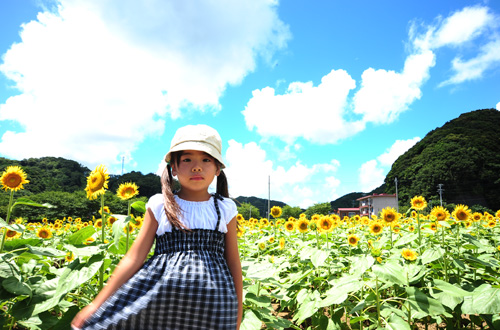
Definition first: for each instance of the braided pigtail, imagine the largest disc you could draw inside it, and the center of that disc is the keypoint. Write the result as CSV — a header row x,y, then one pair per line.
x,y
172,209
222,188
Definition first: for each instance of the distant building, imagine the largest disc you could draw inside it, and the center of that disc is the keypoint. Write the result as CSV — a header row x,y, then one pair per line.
x,y
347,211
373,204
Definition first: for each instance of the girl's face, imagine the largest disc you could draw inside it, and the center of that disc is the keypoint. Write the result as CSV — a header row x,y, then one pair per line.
x,y
195,171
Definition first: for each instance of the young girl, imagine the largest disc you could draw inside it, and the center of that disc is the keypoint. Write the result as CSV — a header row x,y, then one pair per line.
x,y
193,280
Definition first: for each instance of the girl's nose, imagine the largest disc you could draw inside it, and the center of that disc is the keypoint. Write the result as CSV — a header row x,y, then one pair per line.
x,y
196,168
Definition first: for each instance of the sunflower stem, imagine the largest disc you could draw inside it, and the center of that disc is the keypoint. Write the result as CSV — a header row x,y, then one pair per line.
x,y
9,209
101,269
419,234
377,294
128,228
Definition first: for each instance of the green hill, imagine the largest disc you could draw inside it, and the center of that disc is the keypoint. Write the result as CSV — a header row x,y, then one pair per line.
x,y
463,155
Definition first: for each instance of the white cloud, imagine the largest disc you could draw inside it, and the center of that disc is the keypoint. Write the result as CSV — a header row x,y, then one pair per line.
x,y
498,106
304,106
397,149
370,175
384,95
474,32
462,26
249,172
373,172
97,77
474,68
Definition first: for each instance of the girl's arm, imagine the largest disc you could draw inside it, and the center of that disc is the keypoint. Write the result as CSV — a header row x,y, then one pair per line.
x,y
233,262
127,267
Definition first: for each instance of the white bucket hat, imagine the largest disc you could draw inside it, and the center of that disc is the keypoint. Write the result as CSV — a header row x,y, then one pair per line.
x,y
197,137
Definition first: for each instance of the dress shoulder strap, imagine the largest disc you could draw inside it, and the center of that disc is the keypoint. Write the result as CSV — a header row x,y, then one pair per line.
x,y
216,198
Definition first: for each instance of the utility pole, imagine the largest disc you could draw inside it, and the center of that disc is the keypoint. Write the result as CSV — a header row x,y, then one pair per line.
x,y
123,160
397,200
269,198
440,191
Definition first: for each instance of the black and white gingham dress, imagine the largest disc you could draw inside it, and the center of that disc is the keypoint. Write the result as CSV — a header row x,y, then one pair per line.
x,y
186,284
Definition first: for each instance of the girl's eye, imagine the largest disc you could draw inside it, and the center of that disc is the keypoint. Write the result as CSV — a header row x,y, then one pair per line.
x,y
206,160
186,160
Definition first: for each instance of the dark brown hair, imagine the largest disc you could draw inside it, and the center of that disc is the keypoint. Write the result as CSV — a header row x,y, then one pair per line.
x,y
172,209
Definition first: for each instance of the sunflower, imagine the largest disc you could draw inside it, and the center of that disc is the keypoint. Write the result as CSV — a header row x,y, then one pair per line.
x,y
290,226
127,190
491,224
106,210
313,225
11,234
128,228
13,178
409,254
353,240
461,212
303,225
389,215
315,217
264,222
276,211
44,232
376,228
282,243
97,182
262,246
476,216
138,222
111,220
440,213
239,217
396,227
497,214
433,226
70,256
89,240
418,203
271,240
325,225
365,220
98,223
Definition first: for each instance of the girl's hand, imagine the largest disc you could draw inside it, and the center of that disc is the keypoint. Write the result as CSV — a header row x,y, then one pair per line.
x,y
83,315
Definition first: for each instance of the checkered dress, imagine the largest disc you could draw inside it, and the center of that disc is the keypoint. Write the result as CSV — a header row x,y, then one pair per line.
x,y
186,284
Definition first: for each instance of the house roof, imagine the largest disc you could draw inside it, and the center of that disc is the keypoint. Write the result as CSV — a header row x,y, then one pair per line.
x,y
348,209
376,195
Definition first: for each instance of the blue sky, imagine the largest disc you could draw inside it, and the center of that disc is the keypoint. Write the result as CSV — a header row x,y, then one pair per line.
x,y
319,96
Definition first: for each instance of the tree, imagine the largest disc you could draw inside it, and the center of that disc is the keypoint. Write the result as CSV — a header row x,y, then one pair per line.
x,y
248,211
289,211
319,208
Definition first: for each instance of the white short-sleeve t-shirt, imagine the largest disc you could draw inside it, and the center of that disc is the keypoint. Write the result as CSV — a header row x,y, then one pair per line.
x,y
195,215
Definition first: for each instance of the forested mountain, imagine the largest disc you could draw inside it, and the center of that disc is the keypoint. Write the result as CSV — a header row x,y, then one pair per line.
x,y
50,173
463,155
60,174
349,200
61,183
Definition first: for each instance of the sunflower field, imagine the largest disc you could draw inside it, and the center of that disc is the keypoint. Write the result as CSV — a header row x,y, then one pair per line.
x,y
425,269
